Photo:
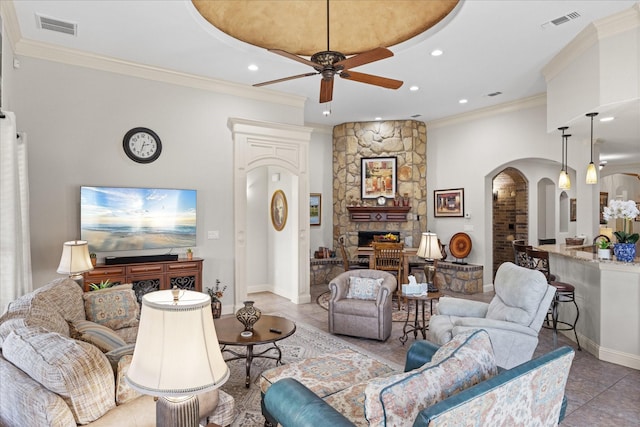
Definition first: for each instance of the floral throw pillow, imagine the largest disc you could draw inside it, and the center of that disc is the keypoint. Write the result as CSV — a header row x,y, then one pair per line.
x,y
364,288
115,307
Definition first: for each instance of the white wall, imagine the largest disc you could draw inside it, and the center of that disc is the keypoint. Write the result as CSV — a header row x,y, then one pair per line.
x,y
321,181
467,152
76,118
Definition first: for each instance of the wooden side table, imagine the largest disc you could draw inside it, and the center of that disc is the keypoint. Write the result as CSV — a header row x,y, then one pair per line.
x,y
417,326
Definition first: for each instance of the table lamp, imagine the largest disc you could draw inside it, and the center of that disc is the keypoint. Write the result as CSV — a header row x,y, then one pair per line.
x,y
177,354
75,260
429,249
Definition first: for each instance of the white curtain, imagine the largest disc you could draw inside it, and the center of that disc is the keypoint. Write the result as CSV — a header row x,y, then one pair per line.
x,y
15,252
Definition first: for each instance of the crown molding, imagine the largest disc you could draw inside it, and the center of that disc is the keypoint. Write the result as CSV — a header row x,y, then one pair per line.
x,y
79,58
627,20
507,107
10,23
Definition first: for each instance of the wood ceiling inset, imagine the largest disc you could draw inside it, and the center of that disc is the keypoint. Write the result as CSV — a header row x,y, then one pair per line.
x,y
299,26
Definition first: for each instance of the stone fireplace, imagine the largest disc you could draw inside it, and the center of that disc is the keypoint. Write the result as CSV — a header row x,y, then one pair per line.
x,y
404,139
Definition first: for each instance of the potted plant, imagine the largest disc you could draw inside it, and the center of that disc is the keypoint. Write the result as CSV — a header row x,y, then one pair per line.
x,y
216,295
625,249
102,285
604,251
94,258
189,254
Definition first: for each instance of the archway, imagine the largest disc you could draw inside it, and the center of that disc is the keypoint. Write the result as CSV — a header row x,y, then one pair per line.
x,y
509,213
272,146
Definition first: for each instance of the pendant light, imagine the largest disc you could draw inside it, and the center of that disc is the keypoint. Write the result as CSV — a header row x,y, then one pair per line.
x,y
592,173
563,179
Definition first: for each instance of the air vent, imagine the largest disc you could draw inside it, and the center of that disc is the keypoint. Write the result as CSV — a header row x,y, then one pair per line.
x,y
494,94
561,19
52,24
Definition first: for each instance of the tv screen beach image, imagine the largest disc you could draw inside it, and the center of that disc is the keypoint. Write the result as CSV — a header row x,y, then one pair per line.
x,y
119,219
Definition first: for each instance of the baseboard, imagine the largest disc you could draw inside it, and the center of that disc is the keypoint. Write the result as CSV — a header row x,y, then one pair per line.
x,y
602,353
487,288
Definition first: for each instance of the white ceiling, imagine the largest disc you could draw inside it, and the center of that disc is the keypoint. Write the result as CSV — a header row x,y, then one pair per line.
x,y
488,46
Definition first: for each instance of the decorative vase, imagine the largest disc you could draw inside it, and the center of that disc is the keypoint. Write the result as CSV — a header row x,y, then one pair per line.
x,y
248,315
625,252
604,253
216,309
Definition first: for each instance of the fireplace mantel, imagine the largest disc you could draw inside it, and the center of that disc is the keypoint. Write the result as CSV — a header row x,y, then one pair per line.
x,y
378,213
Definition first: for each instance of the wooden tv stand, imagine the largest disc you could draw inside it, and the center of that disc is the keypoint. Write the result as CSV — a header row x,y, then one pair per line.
x,y
150,276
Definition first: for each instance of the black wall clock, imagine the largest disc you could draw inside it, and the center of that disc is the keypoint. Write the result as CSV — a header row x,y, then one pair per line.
x,y
142,145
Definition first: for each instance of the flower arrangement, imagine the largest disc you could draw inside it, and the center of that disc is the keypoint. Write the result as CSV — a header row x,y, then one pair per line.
x,y
626,210
390,236
216,293
603,244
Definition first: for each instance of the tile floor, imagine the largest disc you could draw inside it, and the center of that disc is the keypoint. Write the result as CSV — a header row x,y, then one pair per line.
x,y
599,393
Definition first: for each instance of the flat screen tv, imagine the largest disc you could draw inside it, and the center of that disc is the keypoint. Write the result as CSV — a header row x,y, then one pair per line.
x,y
124,219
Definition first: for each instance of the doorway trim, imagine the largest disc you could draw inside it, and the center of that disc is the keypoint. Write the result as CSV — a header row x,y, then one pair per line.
x,y
258,144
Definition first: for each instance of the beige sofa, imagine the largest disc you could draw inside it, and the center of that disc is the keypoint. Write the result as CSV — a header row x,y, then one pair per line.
x,y
64,356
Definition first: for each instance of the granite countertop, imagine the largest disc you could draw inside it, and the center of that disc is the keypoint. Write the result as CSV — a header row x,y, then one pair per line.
x,y
584,253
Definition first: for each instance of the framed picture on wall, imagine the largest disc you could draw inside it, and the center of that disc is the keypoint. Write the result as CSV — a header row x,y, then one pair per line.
x,y
315,208
448,203
279,210
572,209
604,201
379,177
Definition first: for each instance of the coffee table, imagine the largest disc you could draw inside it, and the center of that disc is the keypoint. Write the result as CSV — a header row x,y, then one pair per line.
x,y
229,328
417,326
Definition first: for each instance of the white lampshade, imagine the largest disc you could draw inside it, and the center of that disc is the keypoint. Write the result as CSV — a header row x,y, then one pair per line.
x,y
564,182
75,258
177,352
429,247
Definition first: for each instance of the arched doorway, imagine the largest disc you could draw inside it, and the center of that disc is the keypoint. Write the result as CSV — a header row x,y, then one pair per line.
x,y
266,147
509,213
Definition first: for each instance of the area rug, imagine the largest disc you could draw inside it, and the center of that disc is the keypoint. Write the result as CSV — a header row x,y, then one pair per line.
x,y
397,315
307,341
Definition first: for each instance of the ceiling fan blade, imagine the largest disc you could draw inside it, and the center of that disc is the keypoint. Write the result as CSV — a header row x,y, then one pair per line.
x,y
284,79
326,90
364,58
294,57
371,79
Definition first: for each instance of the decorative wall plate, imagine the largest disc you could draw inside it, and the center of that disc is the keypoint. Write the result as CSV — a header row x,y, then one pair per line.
x,y
460,245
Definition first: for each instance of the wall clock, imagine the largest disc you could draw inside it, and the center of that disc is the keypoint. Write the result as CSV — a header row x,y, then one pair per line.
x,y
142,145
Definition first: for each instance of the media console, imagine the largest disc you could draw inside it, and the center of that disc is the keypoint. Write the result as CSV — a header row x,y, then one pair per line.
x,y
149,276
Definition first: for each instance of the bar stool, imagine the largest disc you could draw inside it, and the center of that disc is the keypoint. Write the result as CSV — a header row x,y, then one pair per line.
x,y
520,253
539,260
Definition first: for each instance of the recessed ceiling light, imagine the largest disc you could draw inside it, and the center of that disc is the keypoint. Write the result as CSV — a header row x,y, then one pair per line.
x,y
463,101
607,119
414,88
378,118
436,52
253,67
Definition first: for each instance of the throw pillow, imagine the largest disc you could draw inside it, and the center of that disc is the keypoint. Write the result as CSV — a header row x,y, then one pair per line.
x,y
363,288
115,355
124,392
76,371
100,336
115,307
395,399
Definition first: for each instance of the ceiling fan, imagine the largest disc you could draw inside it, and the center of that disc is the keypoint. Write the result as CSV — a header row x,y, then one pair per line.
x,y
330,63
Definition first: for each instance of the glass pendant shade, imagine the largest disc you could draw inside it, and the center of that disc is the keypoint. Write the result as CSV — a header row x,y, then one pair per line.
x,y
592,174
564,181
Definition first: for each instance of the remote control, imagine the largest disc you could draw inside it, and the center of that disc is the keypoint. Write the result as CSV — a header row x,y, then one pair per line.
x,y
275,331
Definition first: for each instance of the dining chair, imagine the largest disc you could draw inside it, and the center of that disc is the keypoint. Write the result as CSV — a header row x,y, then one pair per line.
x,y
388,256
346,261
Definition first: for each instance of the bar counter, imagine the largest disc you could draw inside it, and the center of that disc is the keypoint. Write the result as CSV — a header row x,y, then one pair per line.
x,y
608,295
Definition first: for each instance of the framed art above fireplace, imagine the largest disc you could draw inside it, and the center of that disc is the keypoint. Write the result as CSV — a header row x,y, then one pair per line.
x,y
378,177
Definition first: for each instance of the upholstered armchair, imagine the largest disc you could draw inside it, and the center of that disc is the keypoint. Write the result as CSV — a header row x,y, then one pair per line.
x,y
360,304
513,318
